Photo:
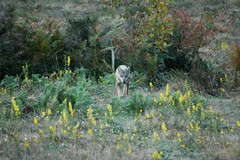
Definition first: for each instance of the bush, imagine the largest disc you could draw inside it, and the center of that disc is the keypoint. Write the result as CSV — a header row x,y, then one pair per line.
x,y
29,40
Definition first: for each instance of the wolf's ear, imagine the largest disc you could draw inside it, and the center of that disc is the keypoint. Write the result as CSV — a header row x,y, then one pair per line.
x,y
128,69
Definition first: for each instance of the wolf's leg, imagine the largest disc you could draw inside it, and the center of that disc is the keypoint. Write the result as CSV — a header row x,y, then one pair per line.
x,y
118,89
127,85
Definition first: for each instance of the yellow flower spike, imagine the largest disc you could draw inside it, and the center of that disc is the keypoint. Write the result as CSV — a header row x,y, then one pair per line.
x,y
15,107
43,114
164,128
52,130
64,115
90,132
155,100
179,137
49,112
65,101
26,144
222,90
150,84
156,155
197,127
156,136
202,115
71,109
109,107
148,116
76,126
35,121
36,141
170,99
60,74
68,61
40,131
89,111
162,97
221,80
224,45
167,90
238,123
4,91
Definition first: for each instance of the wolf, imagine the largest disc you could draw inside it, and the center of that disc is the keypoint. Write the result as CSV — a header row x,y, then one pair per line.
x,y
122,74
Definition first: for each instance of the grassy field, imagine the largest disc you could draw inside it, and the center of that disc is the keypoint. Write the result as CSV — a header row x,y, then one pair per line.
x,y
84,120
69,116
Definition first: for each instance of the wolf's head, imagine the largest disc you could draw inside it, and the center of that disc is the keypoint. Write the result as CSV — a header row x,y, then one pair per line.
x,y
123,73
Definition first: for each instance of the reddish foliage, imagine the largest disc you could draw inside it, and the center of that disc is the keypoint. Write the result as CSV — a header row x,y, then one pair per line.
x,y
193,32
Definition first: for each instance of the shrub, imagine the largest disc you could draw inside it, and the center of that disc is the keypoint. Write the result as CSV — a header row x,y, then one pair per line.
x,y
30,40
191,34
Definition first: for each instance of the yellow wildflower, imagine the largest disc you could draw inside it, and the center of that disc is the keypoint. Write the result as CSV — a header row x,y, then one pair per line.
x,y
35,121
148,116
65,101
156,136
167,90
40,131
155,100
90,132
60,74
68,61
52,130
164,128
49,112
43,114
221,80
238,123
26,144
15,107
162,97
4,91
189,112
76,126
161,3
109,107
197,127
71,109
224,45
36,140
64,115
222,89
157,155
150,84
179,137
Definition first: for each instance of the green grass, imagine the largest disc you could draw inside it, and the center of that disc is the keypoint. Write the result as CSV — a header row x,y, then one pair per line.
x,y
147,124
